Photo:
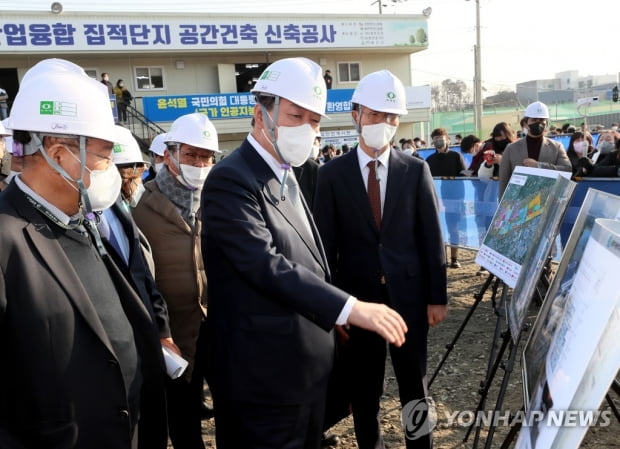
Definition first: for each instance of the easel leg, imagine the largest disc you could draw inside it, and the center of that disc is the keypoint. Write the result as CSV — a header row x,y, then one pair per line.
x,y
450,346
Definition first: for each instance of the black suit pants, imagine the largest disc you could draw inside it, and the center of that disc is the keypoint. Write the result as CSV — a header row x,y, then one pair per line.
x,y
364,358
266,426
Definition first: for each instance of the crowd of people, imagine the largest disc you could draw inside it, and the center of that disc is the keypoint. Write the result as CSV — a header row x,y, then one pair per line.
x,y
283,274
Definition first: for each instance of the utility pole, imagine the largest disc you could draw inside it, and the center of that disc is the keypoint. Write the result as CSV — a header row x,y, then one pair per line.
x,y
477,77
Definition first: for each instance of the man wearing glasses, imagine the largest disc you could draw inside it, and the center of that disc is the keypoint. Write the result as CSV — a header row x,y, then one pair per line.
x,y
83,363
167,214
378,219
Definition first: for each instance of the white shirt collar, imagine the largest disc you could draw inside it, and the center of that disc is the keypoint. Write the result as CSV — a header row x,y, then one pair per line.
x,y
364,159
269,159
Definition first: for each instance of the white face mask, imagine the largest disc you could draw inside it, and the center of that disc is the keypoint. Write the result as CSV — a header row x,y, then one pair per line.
x,y
580,147
315,150
193,177
378,136
158,166
105,185
136,195
295,143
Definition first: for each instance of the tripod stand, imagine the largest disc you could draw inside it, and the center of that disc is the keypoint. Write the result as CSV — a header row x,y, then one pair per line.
x,y
491,279
495,361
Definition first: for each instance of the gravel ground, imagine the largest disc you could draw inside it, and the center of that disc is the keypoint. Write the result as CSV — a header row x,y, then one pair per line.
x,y
455,389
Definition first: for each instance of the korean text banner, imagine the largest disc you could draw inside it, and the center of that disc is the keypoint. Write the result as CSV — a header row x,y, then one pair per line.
x,y
79,32
226,105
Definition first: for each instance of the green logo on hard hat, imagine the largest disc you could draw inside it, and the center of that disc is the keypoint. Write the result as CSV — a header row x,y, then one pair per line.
x,y
117,148
270,75
206,134
318,91
61,108
391,96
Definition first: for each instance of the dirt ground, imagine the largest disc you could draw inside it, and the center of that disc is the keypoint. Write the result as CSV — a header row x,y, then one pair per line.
x,y
455,388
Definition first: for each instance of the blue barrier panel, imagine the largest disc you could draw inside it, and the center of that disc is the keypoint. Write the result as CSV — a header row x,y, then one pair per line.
x,y
609,185
467,206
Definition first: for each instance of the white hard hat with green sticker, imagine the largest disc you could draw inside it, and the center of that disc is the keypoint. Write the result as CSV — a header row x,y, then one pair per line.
x,y
381,91
299,80
196,130
63,102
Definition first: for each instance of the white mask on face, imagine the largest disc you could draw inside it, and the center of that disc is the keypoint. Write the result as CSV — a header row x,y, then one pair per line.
x,y
295,143
105,185
193,177
158,166
378,136
580,147
315,150
136,195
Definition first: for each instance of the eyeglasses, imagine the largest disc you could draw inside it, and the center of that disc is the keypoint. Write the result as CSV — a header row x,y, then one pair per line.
x,y
377,117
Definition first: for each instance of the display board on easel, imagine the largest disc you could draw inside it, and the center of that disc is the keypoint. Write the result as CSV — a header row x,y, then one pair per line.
x,y
580,330
522,232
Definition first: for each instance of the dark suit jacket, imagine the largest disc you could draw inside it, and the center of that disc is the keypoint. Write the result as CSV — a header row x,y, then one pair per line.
x,y
408,250
306,177
60,380
139,272
270,307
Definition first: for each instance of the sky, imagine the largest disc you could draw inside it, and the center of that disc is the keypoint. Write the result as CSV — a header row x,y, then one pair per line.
x,y
521,40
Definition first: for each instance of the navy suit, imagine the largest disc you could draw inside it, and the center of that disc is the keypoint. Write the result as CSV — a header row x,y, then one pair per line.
x,y
271,309
401,265
138,268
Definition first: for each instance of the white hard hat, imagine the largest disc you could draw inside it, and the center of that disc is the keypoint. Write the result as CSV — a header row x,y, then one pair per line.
x,y
194,129
158,144
126,149
63,102
299,80
537,109
52,65
381,91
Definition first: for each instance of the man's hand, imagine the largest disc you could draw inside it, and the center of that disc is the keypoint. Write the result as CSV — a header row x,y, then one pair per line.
x,y
529,162
436,313
169,343
381,319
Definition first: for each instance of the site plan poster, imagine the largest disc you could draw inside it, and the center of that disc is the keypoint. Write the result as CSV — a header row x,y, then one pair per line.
x,y
518,226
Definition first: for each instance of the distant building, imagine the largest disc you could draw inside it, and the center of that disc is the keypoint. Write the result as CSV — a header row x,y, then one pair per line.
x,y
566,87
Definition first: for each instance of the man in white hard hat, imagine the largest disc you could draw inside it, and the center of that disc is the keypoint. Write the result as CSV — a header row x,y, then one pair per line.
x,y
377,214
534,150
82,363
271,308
168,215
156,150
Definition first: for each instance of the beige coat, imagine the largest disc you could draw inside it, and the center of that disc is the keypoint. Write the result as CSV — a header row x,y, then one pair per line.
x,y
552,157
179,271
